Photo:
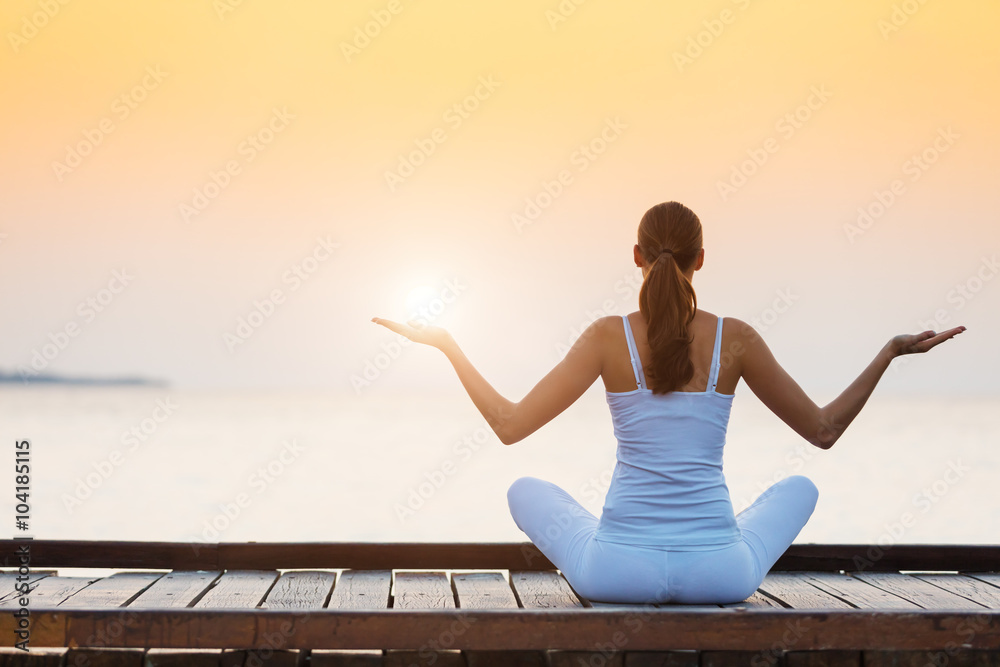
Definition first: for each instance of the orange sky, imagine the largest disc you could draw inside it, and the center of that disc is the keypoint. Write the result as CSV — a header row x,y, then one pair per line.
x,y
209,153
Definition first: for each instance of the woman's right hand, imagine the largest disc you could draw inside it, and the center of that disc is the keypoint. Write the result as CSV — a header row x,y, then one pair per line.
x,y
921,342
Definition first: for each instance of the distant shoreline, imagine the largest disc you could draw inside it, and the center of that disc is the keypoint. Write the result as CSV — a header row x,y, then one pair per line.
x,y
8,379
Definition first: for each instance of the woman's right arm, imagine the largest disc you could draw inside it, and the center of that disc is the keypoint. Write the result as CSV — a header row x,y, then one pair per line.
x,y
786,399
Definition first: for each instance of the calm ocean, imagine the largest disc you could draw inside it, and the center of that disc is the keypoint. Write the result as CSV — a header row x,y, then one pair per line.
x,y
152,463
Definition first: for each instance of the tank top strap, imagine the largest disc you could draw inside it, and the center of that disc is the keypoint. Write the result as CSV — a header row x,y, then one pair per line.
x,y
633,354
713,377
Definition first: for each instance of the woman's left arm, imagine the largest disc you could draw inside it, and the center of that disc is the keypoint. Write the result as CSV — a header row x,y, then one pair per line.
x,y
512,422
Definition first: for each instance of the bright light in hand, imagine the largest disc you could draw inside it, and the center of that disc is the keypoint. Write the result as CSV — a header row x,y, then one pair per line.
x,y
419,303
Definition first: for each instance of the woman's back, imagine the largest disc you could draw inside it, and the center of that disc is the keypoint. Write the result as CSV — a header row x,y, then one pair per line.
x,y
619,376
668,487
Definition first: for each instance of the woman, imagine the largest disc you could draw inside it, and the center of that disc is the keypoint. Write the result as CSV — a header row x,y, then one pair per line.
x,y
667,532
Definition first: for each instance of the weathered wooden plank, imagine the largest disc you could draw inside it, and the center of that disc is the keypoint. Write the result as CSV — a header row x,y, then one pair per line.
x,y
491,590
362,589
735,659
239,589
423,590
823,659
505,659
421,555
756,601
857,592
9,578
117,554
426,590
357,658
494,629
918,591
44,657
279,555
404,658
662,658
233,658
301,590
991,578
51,591
273,658
9,584
105,657
953,657
795,591
968,587
115,591
564,658
483,590
180,657
543,590
175,589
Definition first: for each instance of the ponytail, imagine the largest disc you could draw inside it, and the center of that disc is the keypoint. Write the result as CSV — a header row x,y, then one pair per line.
x,y
669,240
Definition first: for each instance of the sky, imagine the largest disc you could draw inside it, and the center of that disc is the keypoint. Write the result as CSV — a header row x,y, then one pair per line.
x,y
221,194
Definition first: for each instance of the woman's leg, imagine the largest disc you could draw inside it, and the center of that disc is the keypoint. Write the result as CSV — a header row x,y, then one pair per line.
x,y
564,531
553,520
733,573
773,520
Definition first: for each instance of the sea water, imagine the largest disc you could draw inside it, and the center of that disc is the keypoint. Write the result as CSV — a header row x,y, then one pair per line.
x,y
157,463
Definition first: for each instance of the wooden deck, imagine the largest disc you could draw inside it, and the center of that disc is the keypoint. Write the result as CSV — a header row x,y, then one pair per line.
x,y
483,605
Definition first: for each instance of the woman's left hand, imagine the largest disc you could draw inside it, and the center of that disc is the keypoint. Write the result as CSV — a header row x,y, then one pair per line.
x,y
418,332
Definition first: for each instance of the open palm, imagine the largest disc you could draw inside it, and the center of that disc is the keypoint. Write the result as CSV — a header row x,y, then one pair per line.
x,y
921,342
418,332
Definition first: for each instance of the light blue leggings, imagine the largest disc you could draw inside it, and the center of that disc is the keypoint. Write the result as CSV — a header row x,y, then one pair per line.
x,y
611,572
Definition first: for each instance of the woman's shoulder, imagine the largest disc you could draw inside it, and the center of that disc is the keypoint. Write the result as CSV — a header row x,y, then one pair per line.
x,y
731,326
734,330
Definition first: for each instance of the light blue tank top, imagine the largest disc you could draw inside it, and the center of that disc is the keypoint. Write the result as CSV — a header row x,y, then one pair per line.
x,y
668,489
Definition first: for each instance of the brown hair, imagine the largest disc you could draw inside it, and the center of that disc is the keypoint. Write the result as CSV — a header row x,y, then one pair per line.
x,y
667,300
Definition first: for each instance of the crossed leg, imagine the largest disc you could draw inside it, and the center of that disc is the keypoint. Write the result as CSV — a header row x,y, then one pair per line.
x,y
564,531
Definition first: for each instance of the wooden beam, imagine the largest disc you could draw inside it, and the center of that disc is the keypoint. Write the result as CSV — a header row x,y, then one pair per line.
x,y
455,556
525,629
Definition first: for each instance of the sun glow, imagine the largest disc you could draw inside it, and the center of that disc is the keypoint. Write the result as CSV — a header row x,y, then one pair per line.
x,y
419,302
